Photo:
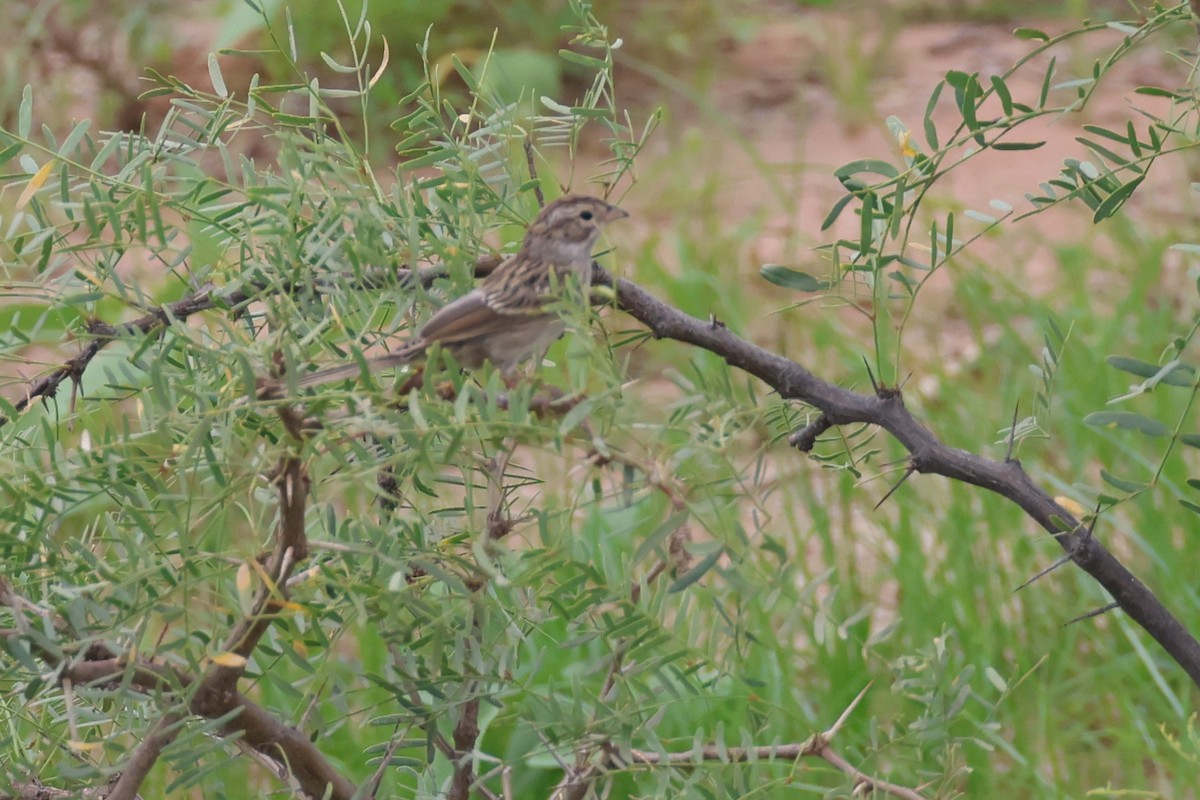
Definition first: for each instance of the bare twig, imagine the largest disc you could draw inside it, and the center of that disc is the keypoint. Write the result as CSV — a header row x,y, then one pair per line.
x,y
531,162
816,746
497,523
40,791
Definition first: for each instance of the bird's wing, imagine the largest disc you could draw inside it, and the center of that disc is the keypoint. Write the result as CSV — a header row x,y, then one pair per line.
x,y
469,317
518,286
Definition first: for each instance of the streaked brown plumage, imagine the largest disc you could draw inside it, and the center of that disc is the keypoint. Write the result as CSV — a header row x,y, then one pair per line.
x,y
503,320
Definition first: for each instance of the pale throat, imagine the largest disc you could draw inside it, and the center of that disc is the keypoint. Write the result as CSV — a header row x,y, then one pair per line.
x,y
564,252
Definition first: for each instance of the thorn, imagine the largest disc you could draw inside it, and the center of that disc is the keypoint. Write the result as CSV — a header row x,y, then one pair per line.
x,y
1087,535
1012,433
907,474
837,726
1042,573
874,384
1094,613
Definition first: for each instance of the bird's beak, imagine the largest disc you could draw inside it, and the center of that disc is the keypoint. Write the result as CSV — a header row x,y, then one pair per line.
x,y
614,214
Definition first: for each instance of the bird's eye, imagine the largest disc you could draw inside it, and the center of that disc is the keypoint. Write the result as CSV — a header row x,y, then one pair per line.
x,y
586,216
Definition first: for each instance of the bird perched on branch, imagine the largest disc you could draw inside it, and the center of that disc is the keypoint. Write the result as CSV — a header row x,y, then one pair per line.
x,y
504,319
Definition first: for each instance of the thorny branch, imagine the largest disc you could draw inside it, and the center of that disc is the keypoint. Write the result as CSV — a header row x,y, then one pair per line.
x,y
157,319
576,779
927,454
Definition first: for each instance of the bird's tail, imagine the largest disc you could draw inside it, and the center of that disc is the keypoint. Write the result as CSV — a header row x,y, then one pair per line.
x,y
376,364
274,389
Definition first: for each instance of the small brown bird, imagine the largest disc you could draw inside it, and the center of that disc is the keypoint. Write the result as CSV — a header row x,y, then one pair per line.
x,y
504,320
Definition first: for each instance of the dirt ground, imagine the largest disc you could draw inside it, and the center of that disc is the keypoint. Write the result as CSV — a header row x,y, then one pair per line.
x,y
782,91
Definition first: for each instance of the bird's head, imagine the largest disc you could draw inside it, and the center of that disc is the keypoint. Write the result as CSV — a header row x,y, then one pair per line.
x,y
573,221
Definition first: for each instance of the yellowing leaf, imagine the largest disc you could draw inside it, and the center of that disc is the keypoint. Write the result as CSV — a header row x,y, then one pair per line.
x,y
34,184
382,65
232,660
243,578
84,747
242,581
1070,506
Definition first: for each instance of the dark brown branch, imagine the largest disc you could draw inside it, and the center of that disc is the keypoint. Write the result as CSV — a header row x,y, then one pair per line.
x,y
291,545
466,731
145,755
805,439
886,409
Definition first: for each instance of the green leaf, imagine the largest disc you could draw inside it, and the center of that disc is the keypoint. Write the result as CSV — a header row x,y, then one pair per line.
x,y
871,165
669,526
25,112
72,141
1120,483
582,60
866,233
1190,439
1126,420
344,69
214,74
790,278
1190,506
1109,155
697,572
1013,146
1114,201
1046,81
1155,91
10,151
1105,133
833,214
429,159
1031,33
1174,373
931,137
575,416
1004,95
